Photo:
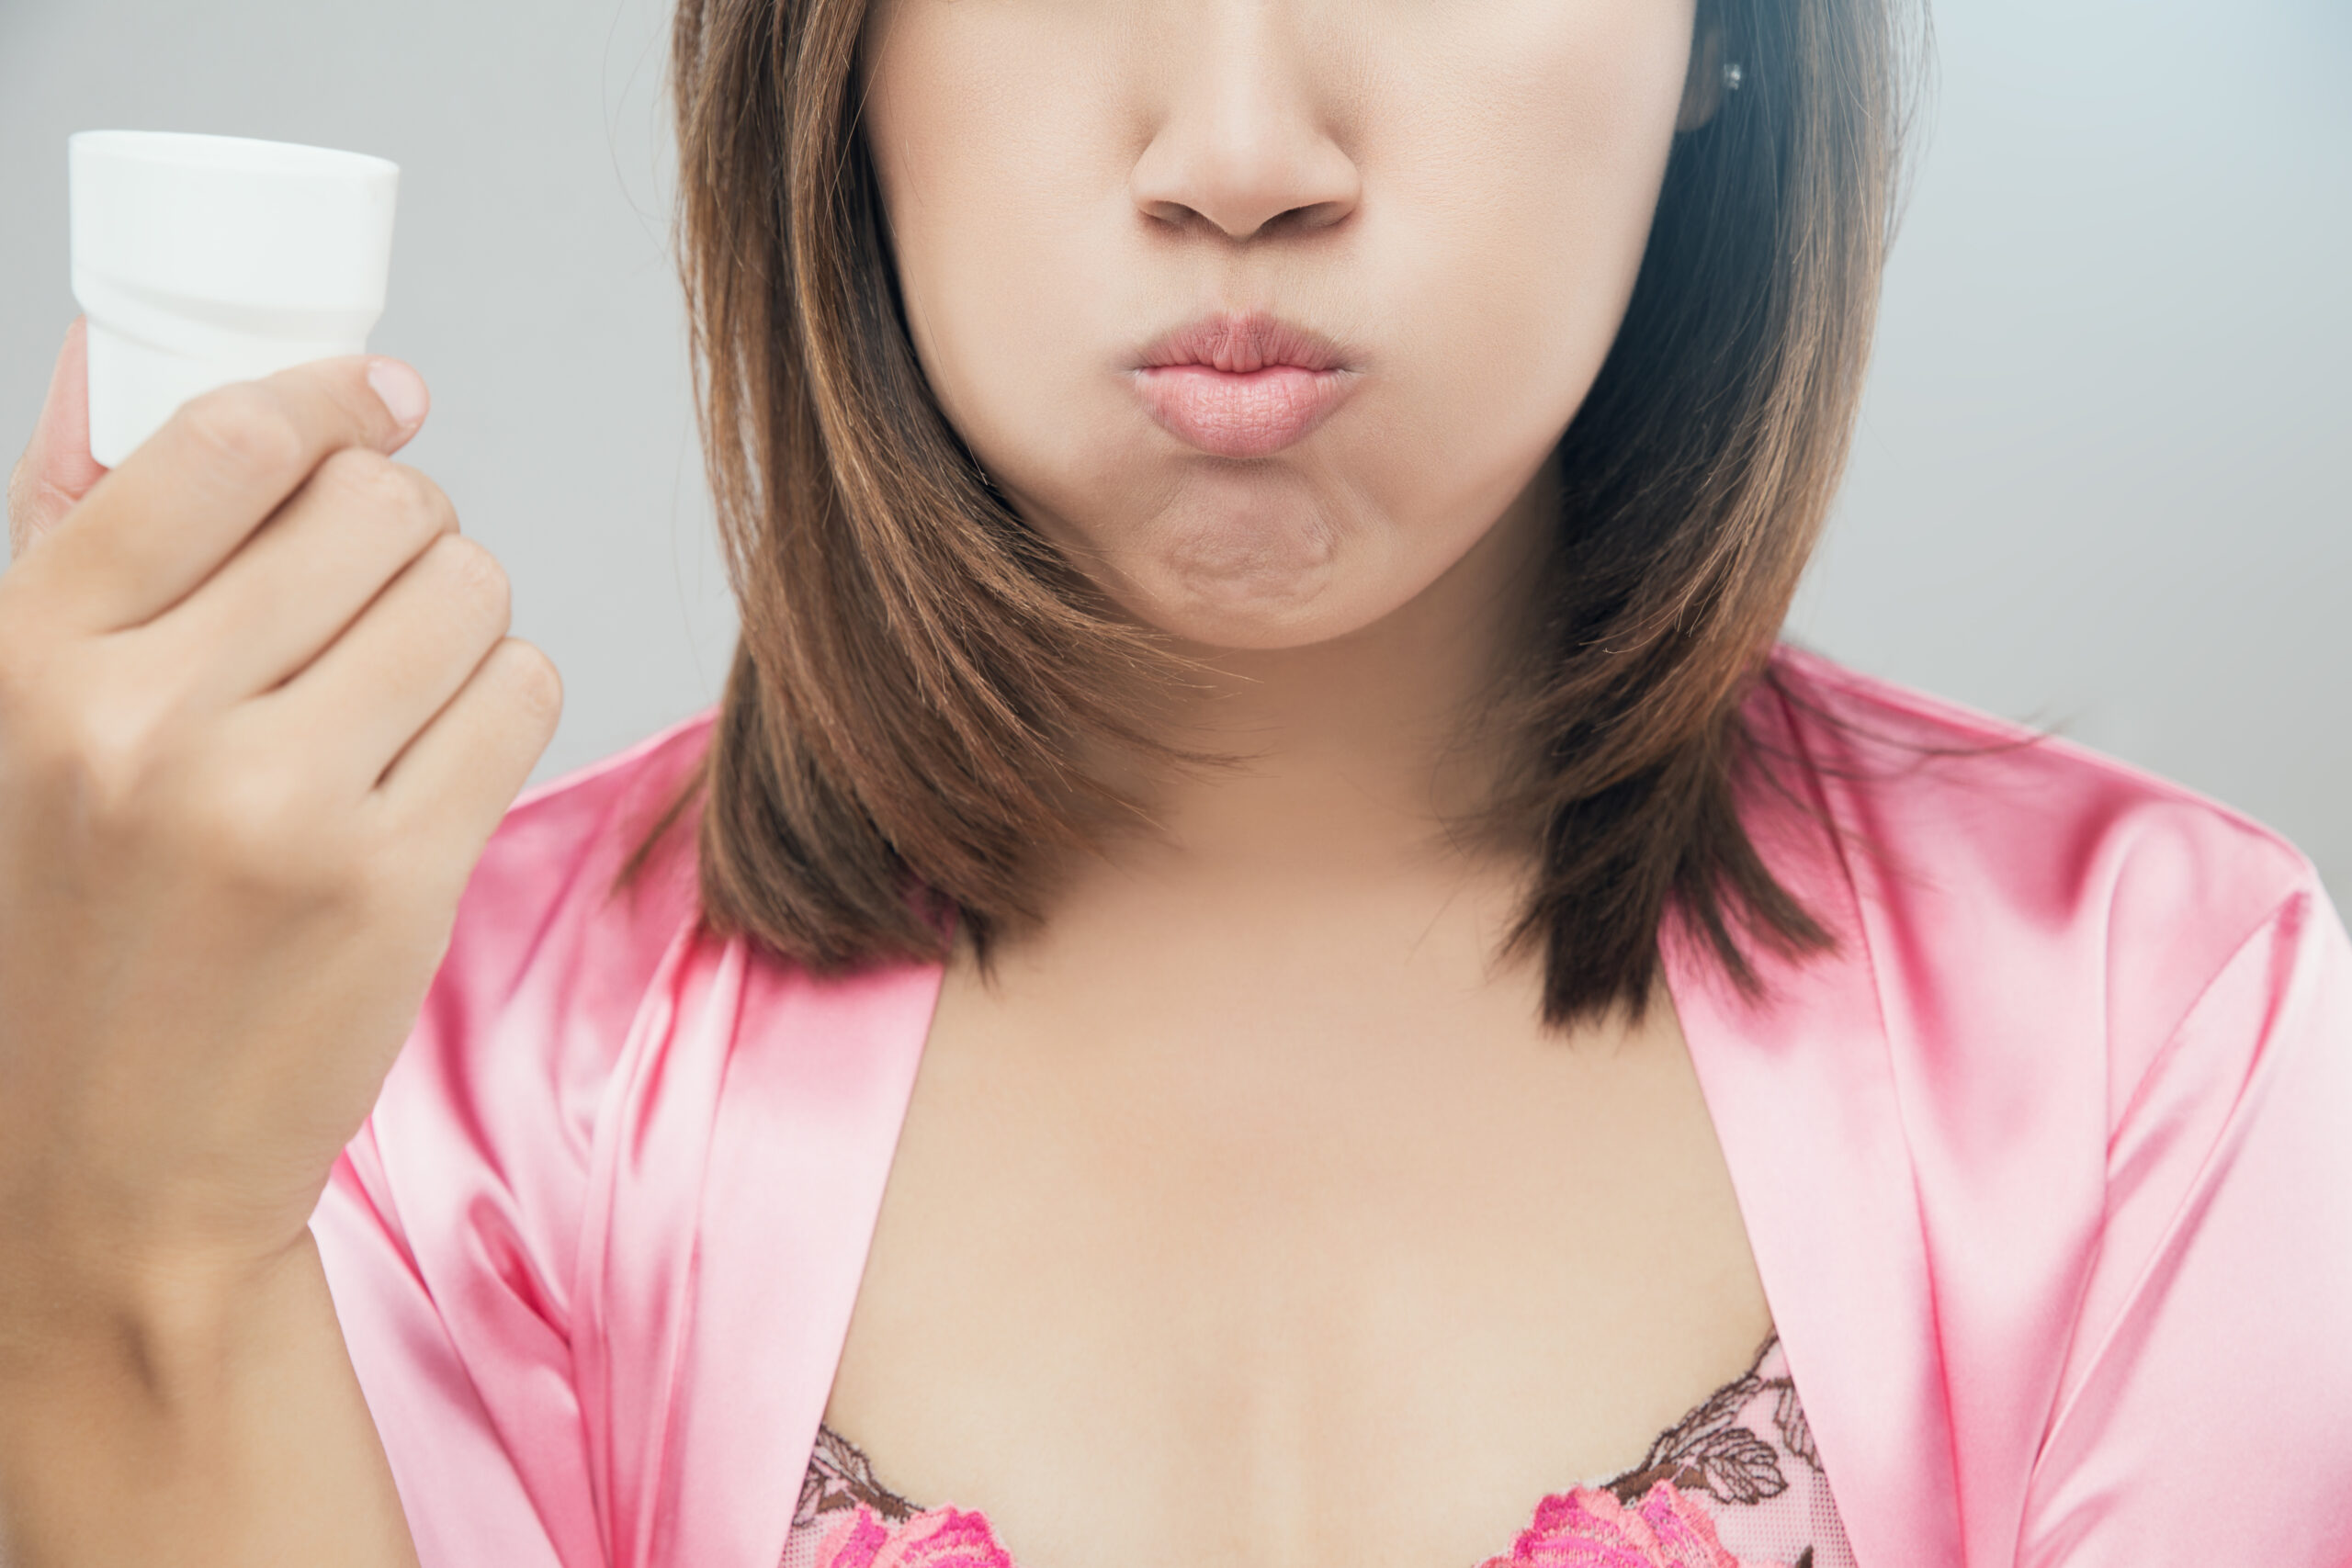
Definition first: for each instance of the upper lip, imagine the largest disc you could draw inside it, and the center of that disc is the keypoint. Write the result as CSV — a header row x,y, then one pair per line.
x,y
1240,342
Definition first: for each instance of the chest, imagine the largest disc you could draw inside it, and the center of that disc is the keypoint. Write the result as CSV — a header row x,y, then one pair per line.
x,y
1368,1258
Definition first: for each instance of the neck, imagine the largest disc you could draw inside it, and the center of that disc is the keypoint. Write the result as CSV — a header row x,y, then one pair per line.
x,y
1358,756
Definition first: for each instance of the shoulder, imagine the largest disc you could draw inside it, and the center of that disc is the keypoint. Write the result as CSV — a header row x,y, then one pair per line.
x,y
1993,863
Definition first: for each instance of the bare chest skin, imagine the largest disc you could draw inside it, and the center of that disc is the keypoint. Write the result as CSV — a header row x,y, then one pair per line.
x,y
1272,1231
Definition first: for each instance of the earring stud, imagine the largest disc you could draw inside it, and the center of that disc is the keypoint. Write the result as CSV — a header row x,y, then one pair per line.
x,y
1732,76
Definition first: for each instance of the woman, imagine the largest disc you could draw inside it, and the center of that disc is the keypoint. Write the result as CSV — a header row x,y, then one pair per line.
x,y
1262,960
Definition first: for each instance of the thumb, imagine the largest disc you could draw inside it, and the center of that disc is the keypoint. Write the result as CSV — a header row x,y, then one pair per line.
x,y
57,469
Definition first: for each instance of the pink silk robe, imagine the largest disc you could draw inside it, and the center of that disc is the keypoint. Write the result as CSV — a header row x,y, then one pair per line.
x,y
2047,1171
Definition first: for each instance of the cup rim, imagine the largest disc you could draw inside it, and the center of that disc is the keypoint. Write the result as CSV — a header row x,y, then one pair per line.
x,y
230,155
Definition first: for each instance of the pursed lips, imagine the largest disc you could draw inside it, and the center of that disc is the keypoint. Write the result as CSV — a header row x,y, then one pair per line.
x,y
1242,385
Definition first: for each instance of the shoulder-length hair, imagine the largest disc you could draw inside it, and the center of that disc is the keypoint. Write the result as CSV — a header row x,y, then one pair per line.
x,y
917,671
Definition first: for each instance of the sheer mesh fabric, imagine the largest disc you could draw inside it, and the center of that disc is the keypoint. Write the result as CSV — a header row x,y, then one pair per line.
x,y
1734,1483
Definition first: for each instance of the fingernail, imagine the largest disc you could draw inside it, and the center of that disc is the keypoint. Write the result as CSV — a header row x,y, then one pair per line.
x,y
403,391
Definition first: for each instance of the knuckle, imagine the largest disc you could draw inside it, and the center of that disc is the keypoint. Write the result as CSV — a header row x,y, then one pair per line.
x,y
121,778
539,686
105,760
475,577
365,481
356,479
89,756
427,501
258,826
245,428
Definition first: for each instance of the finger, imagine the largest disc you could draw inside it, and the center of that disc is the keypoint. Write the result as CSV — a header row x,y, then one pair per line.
x,y
57,469
190,495
402,660
356,523
460,773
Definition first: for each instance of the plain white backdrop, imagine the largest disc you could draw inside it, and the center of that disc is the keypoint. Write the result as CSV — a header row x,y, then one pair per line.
x,y
2100,482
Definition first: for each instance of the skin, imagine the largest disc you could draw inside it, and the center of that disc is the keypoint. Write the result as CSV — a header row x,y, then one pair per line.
x,y
258,717
1458,194
1246,1213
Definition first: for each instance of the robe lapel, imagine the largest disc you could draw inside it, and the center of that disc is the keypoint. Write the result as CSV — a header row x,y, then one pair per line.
x,y
752,1131
741,1175
1801,1088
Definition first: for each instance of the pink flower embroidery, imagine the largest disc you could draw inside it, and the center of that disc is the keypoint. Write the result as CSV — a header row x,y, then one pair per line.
x,y
1589,1527
936,1538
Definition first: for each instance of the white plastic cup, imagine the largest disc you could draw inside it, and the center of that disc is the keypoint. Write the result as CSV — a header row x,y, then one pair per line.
x,y
202,260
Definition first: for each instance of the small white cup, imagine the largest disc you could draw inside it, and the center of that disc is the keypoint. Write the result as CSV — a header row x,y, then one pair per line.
x,y
201,260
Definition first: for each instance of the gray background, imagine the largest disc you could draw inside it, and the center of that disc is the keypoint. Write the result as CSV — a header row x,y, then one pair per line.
x,y
2100,481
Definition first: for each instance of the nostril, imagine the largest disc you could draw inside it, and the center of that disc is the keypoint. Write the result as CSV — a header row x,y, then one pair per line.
x,y
1241,220
1174,214
1268,167
1315,215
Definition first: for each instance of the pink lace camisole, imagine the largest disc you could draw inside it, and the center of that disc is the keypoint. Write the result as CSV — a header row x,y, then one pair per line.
x,y
1734,1483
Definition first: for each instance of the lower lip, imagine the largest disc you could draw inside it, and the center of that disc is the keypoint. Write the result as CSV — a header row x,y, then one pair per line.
x,y
1229,414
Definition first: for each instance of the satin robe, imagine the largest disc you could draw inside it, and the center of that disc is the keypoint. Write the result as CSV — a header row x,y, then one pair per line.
x,y
2046,1169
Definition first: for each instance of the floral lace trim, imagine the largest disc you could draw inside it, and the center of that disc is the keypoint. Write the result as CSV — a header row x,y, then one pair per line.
x,y
841,1476
1669,1511
1709,1451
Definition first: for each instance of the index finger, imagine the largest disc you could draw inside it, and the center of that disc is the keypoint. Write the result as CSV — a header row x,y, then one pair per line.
x,y
180,505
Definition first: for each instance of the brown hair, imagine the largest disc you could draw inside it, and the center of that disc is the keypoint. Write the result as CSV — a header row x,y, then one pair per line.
x,y
917,671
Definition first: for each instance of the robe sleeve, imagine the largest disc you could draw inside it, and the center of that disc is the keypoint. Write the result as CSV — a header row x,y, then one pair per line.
x,y
2205,1418
471,1389
450,1228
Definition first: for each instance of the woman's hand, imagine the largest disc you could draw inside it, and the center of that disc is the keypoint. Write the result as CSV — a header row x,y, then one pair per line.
x,y
258,715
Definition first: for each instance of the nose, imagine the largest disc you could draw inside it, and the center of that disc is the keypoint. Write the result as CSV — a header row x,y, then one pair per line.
x,y
1240,143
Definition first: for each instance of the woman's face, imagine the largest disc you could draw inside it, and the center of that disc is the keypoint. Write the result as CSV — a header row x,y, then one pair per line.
x,y
1265,311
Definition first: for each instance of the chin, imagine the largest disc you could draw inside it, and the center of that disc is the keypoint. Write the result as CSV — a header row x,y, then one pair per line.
x,y
1252,572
